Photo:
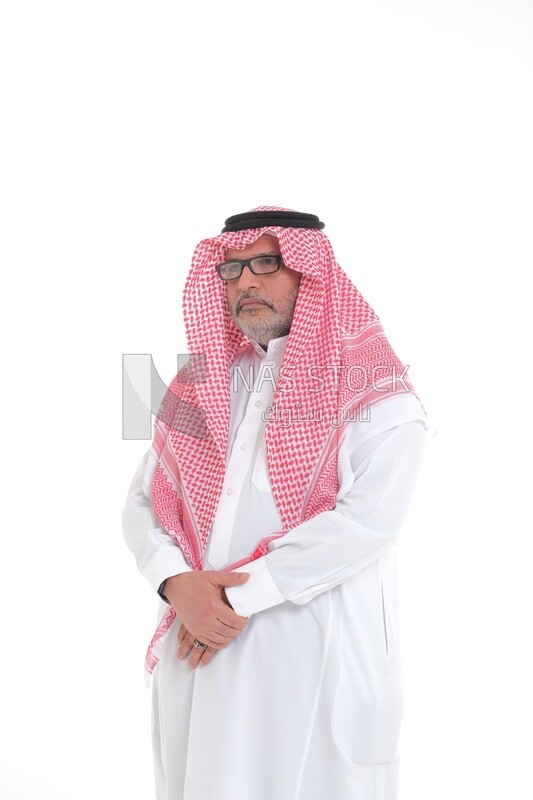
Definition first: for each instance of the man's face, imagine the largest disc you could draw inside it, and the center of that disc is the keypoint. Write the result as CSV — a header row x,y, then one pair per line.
x,y
274,294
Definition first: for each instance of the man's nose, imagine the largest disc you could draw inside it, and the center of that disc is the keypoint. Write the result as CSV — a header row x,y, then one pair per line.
x,y
248,280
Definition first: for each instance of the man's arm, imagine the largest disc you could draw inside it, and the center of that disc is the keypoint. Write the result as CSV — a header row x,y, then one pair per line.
x,y
335,545
197,597
157,555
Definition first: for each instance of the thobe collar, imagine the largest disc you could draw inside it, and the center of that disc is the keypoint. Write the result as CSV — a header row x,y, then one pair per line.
x,y
275,348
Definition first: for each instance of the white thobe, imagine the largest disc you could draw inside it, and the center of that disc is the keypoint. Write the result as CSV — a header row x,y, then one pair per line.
x,y
306,702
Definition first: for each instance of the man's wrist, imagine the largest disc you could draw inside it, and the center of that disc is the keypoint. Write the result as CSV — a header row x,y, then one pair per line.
x,y
168,584
161,594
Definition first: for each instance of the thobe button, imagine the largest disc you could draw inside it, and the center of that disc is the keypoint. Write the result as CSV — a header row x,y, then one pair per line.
x,y
229,491
271,363
244,446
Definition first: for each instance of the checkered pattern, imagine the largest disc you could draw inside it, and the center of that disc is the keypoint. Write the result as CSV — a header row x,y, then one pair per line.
x,y
335,336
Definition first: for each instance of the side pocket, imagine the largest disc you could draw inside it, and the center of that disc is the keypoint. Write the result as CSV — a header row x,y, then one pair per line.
x,y
384,617
367,705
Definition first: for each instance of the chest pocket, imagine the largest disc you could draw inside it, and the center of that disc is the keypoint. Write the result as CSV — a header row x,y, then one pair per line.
x,y
260,477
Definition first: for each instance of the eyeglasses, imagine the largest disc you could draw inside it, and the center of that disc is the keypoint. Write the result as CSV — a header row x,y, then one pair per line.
x,y
259,265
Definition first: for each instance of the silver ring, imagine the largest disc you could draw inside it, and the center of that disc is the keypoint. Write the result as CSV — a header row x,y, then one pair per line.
x,y
199,645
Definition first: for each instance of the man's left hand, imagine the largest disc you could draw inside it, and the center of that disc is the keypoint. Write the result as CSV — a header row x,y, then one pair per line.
x,y
197,657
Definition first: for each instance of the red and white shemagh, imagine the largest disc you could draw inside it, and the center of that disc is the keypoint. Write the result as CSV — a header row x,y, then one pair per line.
x,y
334,331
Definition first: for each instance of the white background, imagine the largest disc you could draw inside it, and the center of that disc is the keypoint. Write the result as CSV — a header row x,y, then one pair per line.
x,y
130,131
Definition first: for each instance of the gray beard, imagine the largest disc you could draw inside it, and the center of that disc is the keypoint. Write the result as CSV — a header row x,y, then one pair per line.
x,y
262,330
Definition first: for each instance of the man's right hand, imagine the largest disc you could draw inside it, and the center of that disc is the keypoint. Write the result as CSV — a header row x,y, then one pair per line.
x,y
199,601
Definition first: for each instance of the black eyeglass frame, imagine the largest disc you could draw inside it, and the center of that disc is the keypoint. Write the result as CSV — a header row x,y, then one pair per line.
x,y
247,262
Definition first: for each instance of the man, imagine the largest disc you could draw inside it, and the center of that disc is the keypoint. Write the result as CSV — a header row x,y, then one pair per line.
x,y
266,513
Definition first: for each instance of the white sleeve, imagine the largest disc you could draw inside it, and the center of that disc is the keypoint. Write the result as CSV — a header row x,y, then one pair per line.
x,y
156,554
335,545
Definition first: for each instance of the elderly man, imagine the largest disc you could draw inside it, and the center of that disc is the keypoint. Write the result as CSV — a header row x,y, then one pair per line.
x,y
265,514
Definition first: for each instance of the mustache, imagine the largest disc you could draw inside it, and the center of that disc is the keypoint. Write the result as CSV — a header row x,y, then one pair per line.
x,y
257,299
